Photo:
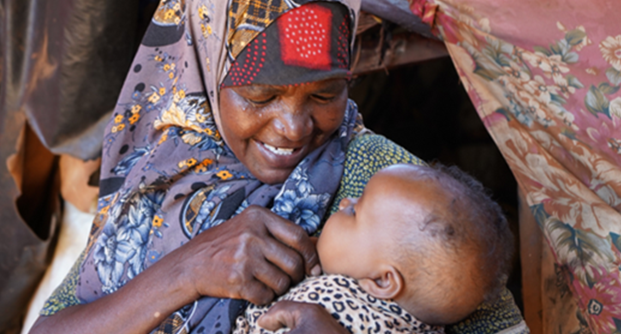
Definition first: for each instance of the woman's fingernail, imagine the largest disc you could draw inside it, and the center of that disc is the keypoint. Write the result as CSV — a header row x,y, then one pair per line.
x,y
316,271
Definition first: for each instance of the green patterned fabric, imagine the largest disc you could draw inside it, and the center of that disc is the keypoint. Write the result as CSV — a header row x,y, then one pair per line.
x,y
366,155
501,316
65,294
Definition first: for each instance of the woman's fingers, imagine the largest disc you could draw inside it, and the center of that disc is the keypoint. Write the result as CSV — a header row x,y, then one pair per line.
x,y
314,240
295,237
257,293
301,318
283,314
273,278
286,259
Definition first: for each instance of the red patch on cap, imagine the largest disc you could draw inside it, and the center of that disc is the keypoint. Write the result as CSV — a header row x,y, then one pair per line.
x,y
305,37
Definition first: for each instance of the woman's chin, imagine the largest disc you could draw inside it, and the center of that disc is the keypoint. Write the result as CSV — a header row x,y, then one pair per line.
x,y
272,177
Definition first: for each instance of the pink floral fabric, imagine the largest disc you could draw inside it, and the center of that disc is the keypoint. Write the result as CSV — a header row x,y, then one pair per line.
x,y
544,77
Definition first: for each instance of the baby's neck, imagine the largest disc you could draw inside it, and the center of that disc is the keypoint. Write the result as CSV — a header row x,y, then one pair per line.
x,y
414,307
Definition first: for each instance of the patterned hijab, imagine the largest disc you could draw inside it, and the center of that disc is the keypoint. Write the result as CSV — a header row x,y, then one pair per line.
x,y
167,174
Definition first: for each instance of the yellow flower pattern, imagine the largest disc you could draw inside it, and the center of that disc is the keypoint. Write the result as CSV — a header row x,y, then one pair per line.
x,y
157,221
154,98
224,174
134,118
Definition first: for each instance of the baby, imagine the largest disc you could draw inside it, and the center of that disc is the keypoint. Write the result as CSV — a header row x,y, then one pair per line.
x,y
421,248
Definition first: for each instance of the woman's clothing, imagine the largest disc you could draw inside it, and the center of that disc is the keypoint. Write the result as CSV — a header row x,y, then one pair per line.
x,y
348,303
545,78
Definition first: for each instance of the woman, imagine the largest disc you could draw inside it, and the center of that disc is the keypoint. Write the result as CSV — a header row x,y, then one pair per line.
x,y
204,139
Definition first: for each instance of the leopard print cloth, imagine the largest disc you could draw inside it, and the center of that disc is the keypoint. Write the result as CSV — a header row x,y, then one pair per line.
x,y
354,309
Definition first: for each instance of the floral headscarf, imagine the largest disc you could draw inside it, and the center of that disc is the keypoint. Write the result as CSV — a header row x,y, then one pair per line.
x,y
167,174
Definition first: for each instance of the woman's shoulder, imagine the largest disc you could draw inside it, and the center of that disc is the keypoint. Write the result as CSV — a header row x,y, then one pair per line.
x,y
377,152
366,155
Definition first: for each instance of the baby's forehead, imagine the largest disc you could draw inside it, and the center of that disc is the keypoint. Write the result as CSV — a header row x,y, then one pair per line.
x,y
416,184
414,196
409,173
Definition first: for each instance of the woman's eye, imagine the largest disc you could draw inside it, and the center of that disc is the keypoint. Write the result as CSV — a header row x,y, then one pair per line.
x,y
261,101
324,98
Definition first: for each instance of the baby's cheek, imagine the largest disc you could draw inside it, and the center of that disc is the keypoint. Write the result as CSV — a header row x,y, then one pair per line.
x,y
320,246
326,254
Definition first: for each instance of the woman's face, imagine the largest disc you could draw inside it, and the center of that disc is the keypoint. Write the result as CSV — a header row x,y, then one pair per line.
x,y
272,128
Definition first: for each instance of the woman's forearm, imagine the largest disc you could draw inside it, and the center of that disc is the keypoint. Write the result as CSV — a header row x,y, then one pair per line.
x,y
138,307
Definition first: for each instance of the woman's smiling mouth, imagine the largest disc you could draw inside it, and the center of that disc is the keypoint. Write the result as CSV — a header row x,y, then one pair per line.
x,y
278,150
281,157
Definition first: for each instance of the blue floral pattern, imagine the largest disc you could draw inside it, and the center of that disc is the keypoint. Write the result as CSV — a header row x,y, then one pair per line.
x,y
299,204
207,216
121,247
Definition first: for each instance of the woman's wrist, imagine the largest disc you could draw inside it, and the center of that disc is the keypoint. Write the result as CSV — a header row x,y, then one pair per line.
x,y
174,278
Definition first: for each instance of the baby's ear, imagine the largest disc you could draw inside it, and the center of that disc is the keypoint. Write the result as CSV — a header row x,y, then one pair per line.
x,y
386,285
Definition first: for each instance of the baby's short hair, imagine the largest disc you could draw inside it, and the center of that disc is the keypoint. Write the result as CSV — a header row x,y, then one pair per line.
x,y
472,225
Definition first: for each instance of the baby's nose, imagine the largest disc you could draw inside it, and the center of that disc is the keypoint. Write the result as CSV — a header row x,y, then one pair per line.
x,y
346,202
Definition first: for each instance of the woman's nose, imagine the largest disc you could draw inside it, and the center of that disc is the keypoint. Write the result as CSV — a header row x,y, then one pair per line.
x,y
294,123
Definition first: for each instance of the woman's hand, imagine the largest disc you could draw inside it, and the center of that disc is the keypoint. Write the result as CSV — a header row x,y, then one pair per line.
x,y
255,256
301,318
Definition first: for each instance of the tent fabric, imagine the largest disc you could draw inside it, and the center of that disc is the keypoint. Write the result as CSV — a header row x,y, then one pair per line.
x,y
397,11
62,64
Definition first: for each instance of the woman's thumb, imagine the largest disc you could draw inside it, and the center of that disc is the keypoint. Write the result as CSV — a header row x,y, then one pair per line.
x,y
282,314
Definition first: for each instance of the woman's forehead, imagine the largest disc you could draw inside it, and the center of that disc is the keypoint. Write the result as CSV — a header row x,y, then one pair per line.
x,y
328,86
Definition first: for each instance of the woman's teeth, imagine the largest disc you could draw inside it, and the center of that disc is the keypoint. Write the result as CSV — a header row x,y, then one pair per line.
x,y
278,150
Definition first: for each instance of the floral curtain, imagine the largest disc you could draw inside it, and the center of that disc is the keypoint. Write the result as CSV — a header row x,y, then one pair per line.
x,y
544,77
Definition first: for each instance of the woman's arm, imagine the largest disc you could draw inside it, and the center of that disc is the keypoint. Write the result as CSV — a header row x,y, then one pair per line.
x,y
254,256
137,307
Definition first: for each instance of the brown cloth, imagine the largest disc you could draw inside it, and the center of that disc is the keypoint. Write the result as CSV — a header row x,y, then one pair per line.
x,y
62,63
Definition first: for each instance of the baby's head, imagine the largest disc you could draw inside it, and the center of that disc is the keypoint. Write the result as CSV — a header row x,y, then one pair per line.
x,y
429,238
